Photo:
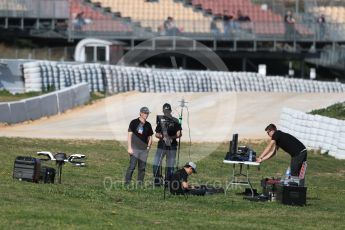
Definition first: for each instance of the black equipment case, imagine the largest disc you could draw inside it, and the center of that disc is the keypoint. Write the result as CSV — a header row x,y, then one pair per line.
x,y
47,175
292,195
27,169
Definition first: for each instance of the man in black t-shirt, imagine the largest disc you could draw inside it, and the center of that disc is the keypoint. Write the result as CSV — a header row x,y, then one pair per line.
x,y
167,130
178,184
139,142
289,144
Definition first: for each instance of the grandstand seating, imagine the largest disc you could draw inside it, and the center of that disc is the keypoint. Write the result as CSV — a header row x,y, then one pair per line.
x,y
264,21
335,19
334,14
187,19
99,21
153,14
246,6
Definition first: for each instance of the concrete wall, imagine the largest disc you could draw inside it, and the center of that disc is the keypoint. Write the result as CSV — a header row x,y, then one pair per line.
x,y
18,113
46,105
81,94
5,113
33,108
65,99
49,104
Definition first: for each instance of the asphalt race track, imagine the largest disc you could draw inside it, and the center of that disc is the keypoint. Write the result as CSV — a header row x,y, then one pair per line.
x,y
213,117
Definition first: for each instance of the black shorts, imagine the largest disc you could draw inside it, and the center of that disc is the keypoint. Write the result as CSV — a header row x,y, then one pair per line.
x,y
297,161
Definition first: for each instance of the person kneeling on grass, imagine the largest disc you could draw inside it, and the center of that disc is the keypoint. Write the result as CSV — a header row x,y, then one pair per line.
x,y
179,181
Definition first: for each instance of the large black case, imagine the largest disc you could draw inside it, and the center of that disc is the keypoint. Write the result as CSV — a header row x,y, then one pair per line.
x,y
47,175
292,195
27,169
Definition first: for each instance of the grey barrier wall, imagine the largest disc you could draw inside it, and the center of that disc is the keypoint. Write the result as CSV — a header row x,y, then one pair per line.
x,y
33,108
65,100
80,94
17,111
49,105
5,113
46,105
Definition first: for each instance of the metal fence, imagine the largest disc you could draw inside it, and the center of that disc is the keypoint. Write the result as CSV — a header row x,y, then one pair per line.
x,y
308,31
52,54
58,9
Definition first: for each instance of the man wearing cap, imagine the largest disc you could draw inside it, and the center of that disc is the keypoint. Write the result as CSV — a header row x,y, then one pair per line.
x,y
178,184
166,131
139,142
289,144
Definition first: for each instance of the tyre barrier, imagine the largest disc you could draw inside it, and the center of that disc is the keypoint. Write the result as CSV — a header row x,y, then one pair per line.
x,y
315,131
43,75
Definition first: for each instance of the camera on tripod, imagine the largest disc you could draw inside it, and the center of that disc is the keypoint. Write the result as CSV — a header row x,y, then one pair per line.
x,y
167,124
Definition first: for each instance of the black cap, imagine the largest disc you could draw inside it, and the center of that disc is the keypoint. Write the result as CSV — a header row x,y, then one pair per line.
x,y
167,106
144,110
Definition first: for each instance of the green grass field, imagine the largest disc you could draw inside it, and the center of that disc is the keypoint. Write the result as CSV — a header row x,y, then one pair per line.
x,y
7,96
83,202
334,111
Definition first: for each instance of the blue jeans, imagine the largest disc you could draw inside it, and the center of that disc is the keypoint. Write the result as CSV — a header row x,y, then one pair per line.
x,y
170,154
139,157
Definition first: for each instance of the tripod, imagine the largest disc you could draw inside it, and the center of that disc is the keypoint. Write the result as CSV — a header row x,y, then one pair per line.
x,y
59,169
163,151
182,105
60,161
